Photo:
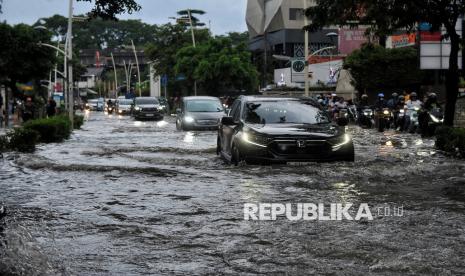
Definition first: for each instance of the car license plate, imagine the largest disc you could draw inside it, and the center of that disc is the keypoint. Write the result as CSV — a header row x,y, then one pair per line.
x,y
149,115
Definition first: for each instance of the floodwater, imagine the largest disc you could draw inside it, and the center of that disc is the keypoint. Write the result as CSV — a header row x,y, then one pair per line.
x,y
140,198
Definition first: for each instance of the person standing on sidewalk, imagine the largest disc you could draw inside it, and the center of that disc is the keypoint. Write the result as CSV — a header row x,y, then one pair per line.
x,y
51,108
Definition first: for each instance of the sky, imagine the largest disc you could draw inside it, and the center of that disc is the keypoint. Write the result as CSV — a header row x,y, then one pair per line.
x,y
224,15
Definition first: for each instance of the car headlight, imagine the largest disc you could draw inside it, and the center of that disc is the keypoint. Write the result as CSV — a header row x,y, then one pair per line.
x,y
188,119
417,108
386,112
402,111
137,108
340,141
256,140
436,119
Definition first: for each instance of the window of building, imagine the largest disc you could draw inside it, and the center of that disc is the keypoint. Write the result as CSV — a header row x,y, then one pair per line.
x,y
295,14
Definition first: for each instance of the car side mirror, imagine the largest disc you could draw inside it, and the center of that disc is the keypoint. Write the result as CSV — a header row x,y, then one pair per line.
x,y
228,121
178,110
342,122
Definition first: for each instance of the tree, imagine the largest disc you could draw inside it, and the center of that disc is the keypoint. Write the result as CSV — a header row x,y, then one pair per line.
x,y
374,67
169,39
386,16
21,59
108,9
195,20
218,66
100,34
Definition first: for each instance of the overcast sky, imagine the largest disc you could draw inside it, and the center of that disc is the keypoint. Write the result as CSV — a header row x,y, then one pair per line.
x,y
225,15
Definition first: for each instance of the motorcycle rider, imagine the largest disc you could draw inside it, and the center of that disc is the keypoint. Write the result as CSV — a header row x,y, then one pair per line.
x,y
392,102
380,102
410,107
110,105
400,107
431,103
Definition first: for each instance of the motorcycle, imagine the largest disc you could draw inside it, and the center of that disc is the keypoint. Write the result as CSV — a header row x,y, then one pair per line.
x,y
352,114
384,119
399,119
365,117
110,109
430,120
414,122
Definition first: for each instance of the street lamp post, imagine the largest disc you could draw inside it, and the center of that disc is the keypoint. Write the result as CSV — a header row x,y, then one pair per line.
x,y
306,40
70,68
116,75
138,68
193,43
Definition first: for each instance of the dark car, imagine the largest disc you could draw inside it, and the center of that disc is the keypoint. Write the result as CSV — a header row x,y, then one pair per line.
x,y
199,113
281,130
147,108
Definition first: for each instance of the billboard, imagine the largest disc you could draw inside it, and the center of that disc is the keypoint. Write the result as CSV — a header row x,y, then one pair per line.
x,y
400,41
351,39
435,50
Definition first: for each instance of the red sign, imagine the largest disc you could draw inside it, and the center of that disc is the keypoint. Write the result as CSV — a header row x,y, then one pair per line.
x,y
351,39
430,36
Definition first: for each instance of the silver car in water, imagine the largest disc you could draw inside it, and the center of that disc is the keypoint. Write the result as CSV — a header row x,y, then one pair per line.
x,y
199,113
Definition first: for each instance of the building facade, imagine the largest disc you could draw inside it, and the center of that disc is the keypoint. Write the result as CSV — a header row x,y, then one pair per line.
x,y
277,26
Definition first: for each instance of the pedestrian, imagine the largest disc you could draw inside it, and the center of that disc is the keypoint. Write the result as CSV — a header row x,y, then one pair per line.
x,y
28,110
51,107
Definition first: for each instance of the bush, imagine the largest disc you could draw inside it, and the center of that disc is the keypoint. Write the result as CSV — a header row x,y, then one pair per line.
x,y
451,140
23,140
78,121
51,130
3,144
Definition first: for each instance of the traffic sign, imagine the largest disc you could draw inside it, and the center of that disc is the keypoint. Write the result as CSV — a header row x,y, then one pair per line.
x,y
297,70
164,80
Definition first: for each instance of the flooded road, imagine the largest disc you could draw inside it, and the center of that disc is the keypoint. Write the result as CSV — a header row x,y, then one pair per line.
x,y
140,198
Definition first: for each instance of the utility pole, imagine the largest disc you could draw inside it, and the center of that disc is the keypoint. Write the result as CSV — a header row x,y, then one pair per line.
x,y
138,68
116,75
307,88
70,66
193,43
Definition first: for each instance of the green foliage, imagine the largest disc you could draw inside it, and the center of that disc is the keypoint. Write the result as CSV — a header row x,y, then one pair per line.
x,y
218,66
374,67
23,140
78,121
51,130
169,39
451,140
21,60
99,33
108,9
3,143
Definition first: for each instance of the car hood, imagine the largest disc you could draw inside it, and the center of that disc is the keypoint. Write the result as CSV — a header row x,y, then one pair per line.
x,y
205,115
297,130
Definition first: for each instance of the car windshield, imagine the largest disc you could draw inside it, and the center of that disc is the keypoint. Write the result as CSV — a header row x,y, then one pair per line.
x,y
125,102
284,112
204,106
146,101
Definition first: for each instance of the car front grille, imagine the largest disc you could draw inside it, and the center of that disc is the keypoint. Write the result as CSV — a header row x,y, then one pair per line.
x,y
300,147
149,110
207,122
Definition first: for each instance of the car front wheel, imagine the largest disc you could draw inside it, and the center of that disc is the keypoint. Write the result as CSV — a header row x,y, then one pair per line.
x,y
236,156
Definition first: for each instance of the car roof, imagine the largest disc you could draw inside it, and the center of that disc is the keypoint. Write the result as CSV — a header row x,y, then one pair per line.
x,y
152,98
273,98
200,98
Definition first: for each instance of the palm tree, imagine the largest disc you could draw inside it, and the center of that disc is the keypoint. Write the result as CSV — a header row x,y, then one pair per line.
x,y
195,21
